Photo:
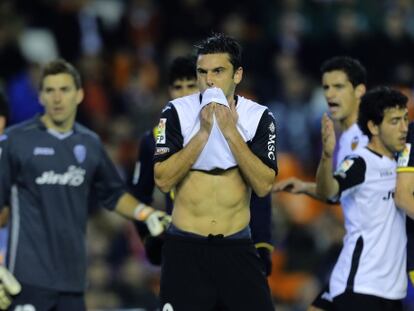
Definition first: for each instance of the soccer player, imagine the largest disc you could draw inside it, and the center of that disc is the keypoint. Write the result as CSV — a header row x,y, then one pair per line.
x,y
370,273
344,83
50,167
214,148
182,81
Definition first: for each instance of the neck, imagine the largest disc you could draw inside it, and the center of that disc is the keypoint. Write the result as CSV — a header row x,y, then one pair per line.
x,y
348,122
376,145
231,100
60,127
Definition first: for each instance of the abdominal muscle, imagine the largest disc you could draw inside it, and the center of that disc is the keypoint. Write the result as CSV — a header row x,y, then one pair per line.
x,y
212,203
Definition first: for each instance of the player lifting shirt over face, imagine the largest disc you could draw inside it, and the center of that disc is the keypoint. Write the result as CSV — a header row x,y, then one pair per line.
x,y
214,147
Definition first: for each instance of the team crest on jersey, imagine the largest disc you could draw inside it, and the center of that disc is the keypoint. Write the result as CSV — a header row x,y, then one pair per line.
x,y
160,135
80,153
404,156
355,142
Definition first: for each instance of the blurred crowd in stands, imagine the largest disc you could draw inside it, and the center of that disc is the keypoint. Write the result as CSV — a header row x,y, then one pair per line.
x,y
123,49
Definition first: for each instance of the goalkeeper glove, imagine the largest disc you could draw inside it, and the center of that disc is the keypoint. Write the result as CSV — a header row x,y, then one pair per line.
x,y
156,221
9,286
411,275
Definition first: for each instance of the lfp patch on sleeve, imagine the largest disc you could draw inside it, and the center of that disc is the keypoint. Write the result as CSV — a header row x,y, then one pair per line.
x,y
404,156
160,137
345,166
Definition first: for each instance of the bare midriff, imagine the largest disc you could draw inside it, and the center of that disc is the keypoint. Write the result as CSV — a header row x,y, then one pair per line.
x,y
208,203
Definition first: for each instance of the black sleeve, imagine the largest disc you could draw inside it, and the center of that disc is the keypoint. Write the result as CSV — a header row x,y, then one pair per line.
x,y
5,170
143,179
107,183
261,219
168,138
410,244
263,143
350,173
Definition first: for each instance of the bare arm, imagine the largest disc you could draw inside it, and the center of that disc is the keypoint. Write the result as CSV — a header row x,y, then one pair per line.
x,y
257,174
170,172
326,185
296,186
404,194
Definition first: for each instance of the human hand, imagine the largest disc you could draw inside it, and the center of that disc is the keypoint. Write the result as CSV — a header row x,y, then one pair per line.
x,y
226,118
9,287
328,137
206,118
156,221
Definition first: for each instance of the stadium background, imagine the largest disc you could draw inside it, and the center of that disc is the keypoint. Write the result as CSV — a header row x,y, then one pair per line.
x,y
123,49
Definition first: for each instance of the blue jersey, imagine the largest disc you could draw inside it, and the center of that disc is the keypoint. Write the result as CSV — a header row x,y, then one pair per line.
x,y
47,179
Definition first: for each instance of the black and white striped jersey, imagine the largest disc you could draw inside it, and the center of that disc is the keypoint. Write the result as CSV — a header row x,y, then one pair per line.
x,y
373,258
47,178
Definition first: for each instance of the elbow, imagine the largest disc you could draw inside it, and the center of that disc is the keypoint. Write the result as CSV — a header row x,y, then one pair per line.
x,y
163,185
161,181
322,194
263,190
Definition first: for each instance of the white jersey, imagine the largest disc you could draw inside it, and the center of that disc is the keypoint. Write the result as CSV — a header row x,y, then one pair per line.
x,y
180,121
373,258
350,139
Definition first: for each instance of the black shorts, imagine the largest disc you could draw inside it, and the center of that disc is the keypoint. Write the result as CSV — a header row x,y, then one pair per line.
x,y
43,299
214,273
322,302
362,302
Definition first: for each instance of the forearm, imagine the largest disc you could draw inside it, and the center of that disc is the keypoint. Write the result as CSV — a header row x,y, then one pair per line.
x,y
126,206
326,185
170,172
257,174
404,197
406,202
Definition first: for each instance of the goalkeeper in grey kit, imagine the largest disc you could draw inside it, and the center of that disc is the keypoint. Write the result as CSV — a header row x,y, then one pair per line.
x,y
50,166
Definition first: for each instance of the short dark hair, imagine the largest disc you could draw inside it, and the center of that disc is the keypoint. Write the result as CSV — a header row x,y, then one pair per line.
x,y
183,67
60,66
221,43
356,72
375,102
4,106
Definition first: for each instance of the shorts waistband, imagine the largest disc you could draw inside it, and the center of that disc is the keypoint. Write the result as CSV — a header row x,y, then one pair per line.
x,y
175,233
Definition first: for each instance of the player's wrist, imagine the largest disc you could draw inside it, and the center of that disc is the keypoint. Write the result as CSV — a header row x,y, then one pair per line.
x,y
142,212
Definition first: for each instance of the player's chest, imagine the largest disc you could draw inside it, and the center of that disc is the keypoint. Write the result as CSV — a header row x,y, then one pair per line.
x,y
57,160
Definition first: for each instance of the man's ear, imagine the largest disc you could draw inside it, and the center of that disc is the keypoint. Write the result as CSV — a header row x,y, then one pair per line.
x,y
2,123
80,95
373,128
360,90
238,75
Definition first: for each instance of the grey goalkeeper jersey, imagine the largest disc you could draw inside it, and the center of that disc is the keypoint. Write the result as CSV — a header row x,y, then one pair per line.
x,y
47,179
